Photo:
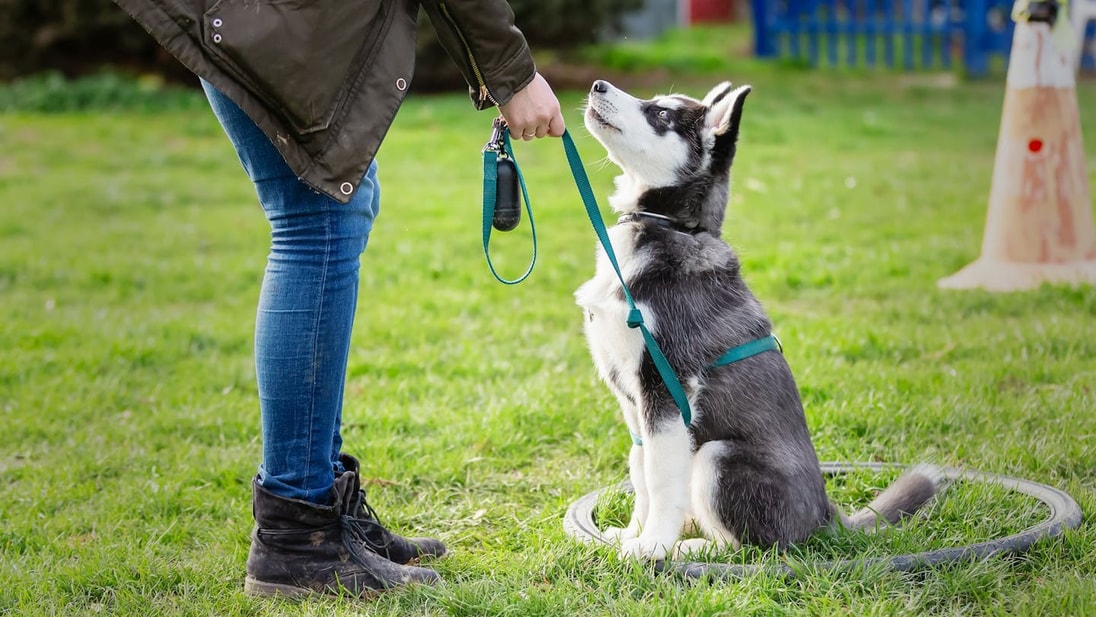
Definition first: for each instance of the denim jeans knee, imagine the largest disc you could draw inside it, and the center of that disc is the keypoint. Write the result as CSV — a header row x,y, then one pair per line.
x,y
305,313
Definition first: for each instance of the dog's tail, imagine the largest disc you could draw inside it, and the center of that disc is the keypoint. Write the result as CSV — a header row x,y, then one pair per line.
x,y
909,492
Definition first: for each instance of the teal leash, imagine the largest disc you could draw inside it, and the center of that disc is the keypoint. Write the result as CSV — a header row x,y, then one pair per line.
x,y
492,152
635,316
745,350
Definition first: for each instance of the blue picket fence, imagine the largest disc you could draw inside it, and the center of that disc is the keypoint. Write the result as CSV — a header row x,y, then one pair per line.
x,y
907,34
1088,49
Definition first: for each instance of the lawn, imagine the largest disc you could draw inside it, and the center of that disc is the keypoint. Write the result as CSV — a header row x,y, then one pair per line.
x,y
132,254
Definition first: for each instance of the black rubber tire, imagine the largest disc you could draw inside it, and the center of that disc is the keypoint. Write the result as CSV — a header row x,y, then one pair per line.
x,y
1064,514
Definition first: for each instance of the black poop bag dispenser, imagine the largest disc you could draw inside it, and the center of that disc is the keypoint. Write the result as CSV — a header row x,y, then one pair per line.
x,y
507,212
503,193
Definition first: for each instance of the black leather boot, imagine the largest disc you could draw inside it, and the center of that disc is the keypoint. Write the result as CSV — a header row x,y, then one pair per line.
x,y
300,548
378,538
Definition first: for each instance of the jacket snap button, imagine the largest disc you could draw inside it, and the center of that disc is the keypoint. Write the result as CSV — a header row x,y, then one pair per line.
x,y
346,188
217,22
216,38
401,84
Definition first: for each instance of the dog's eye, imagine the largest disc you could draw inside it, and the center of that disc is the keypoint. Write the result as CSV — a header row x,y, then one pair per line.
x,y
663,114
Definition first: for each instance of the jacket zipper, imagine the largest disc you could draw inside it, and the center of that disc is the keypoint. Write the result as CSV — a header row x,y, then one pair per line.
x,y
484,93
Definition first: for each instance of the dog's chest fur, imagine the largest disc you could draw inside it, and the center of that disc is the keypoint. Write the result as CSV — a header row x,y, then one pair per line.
x,y
617,349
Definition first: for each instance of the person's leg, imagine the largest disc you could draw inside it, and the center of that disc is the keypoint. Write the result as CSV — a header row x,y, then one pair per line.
x,y
306,539
305,314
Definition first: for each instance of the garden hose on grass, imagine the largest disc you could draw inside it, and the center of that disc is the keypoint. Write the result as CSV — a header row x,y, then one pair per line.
x,y
579,522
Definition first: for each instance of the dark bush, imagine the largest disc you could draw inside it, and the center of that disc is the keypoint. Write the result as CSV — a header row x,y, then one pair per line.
x,y
566,24
77,37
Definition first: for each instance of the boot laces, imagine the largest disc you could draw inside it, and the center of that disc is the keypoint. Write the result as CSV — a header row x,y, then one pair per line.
x,y
369,510
369,527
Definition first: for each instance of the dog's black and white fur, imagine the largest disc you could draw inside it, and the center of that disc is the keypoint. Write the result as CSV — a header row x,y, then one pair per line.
x,y
745,469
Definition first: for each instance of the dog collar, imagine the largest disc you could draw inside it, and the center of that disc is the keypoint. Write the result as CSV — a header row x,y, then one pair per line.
x,y
657,219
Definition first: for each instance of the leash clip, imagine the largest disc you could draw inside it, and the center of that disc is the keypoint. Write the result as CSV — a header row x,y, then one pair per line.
x,y
497,142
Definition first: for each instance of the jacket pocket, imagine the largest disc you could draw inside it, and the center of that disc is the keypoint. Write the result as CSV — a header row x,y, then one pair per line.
x,y
295,55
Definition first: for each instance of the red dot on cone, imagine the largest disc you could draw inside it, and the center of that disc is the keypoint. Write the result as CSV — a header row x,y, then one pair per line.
x,y
1035,145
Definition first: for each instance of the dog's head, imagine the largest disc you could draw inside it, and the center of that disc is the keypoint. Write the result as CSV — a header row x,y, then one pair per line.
x,y
675,151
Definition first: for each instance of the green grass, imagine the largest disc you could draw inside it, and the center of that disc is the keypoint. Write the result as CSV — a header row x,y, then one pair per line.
x,y
131,260
695,49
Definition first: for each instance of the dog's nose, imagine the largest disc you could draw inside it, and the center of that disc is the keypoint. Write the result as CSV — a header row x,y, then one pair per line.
x,y
600,86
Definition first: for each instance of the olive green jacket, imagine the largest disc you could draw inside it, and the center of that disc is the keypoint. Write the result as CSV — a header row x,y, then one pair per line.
x,y
324,78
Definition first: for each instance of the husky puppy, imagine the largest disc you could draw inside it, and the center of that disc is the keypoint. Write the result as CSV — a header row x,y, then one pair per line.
x,y
744,469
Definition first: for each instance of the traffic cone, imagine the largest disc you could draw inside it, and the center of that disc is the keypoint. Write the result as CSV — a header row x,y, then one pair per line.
x,y
1039,226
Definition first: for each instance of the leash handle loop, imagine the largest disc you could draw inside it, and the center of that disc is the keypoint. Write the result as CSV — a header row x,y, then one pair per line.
x,y
490,191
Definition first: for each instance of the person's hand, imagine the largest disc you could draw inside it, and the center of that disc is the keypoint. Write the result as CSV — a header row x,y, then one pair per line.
x,y
534,111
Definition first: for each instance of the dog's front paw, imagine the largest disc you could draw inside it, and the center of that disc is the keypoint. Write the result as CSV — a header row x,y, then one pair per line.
x,y
616,535
644,548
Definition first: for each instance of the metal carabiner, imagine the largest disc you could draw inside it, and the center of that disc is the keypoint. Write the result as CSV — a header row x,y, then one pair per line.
x,y
497,143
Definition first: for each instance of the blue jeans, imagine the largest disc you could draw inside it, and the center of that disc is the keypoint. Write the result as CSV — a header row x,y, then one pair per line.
x,y
306,311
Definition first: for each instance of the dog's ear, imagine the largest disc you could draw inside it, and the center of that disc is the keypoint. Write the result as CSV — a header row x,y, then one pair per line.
x,y
715,94
725,111
722,120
